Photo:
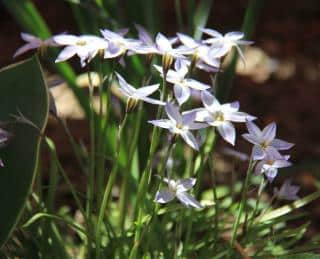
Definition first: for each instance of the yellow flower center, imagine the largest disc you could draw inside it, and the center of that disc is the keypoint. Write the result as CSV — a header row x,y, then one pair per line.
x,y
219,116
81,43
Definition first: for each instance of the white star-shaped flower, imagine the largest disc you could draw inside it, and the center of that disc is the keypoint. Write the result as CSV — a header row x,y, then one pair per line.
x,y
200,52
86,47
141,93
270,164
264,141
182,86
221,116
33,42
178,189
179,124
118,45
222,44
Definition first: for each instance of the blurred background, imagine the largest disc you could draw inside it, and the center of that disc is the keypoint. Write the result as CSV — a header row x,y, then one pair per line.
x,y
280,82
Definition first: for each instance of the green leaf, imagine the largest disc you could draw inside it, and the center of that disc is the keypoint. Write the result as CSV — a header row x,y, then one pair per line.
x,y
300,256
201,16
289,208
23,91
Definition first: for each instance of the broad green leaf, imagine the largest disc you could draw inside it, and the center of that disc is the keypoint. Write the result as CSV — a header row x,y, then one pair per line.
x,y
23,91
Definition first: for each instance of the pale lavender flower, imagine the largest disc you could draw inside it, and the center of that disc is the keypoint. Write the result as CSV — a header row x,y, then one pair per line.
x,y
163,47
33,42
178,189
270,164
141,93
264,141
86,47
287,191
199,52
182,86
180,124
118,45
221,116
222,44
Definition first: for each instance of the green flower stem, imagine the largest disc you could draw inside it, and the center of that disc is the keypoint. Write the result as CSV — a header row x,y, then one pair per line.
x,y
108,188
91,173
132,148
198,170
215,199
139,235
256,207
100,143
243,201
91,176
146,177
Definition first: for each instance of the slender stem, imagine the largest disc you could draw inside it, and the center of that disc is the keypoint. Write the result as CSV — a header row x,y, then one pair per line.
x,y
108,188
215,199
138,234
243,201
198,170
100,143
146,176
132,148
256,207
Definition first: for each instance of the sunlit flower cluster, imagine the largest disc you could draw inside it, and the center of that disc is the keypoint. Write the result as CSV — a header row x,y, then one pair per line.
x,y
180,56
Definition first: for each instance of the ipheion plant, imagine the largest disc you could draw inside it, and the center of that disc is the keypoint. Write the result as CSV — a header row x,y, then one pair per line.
x,y
204,54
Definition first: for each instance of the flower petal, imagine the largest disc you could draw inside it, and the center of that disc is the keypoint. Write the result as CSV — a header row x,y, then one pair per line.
x,y
197,85
251,138
185,184
66,39
181,93
190,139
166,124
211,32
143,35
253,129
257,153
187,200
25,48
209,101
234,35
281,144
227,132
152,101
173,113
187,40
238,116
66,53
125,86
269,132
163,43
164,196
147,90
